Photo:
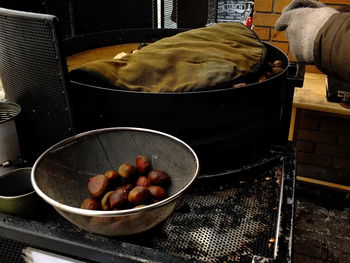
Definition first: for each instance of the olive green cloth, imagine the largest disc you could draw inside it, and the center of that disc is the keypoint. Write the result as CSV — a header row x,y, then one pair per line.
x,y
198,59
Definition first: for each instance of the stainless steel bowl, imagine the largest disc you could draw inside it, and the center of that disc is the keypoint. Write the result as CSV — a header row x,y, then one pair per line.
x,y
60,176
17,196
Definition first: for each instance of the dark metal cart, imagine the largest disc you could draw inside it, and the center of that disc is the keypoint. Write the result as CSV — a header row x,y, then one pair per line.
x,y
243,217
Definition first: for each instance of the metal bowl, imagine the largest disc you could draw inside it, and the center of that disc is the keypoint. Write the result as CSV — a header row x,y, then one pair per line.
x,y
60,176
17,196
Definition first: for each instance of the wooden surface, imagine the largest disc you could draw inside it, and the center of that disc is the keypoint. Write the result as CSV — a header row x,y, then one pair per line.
x,y
324,183
312,96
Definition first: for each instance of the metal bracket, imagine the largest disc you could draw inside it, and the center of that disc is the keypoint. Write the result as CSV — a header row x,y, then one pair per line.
x,y
345,95
295,74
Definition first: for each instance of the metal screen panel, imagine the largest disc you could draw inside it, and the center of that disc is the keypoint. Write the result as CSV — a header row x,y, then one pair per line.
x,y
170,14
33,76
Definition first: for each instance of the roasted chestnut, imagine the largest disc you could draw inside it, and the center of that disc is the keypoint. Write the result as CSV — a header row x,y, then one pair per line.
x,y
239,85
114,178
127,171
119,198
143,165
90,204
142,181
159,177
97,186
139,195
277,63
157,192
105,201
112,174
262,78
129,186
277,70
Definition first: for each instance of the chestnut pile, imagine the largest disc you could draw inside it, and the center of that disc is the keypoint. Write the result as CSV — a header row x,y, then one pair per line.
x,y
269,70
128,187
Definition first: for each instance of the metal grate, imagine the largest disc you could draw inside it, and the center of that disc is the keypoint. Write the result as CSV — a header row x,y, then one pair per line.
x,y
10,251
226,221
63,9
242,217
170,14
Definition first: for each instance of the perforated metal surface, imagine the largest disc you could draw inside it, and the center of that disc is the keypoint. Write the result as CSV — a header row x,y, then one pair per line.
x,y
10,251
225,221
234,218
212,11
33,76
170,14
63,9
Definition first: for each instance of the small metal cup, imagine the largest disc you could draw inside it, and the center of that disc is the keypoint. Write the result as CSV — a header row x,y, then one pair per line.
x,y
9,150
17,195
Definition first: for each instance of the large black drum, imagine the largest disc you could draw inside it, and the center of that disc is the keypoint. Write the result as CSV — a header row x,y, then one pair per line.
x,y
228,128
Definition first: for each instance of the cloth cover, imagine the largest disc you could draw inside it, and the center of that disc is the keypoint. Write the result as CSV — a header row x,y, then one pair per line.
x,y
198,59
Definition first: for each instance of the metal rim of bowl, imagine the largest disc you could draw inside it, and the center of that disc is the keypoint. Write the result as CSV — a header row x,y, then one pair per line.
x,y
9,197
101,213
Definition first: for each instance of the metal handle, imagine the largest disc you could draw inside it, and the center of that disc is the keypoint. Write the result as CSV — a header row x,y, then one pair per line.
x,y
295,74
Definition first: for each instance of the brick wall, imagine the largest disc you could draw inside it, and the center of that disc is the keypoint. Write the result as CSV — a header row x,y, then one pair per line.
x,y
265,15
322,141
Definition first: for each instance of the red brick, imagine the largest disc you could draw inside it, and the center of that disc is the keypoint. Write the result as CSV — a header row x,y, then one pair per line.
x,y
340,126
341,163
317,136
328,174
278,35
326,116
309,123
280,4
265,5
281,45
342,8
311,113
264,19
262,32
344,140
345,2
314,159
305,146
333,150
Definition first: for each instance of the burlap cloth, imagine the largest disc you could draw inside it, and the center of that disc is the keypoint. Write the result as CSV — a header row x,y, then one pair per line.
x,y
198,59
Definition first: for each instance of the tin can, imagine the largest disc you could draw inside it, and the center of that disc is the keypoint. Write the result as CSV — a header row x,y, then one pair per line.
x,y
9,145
